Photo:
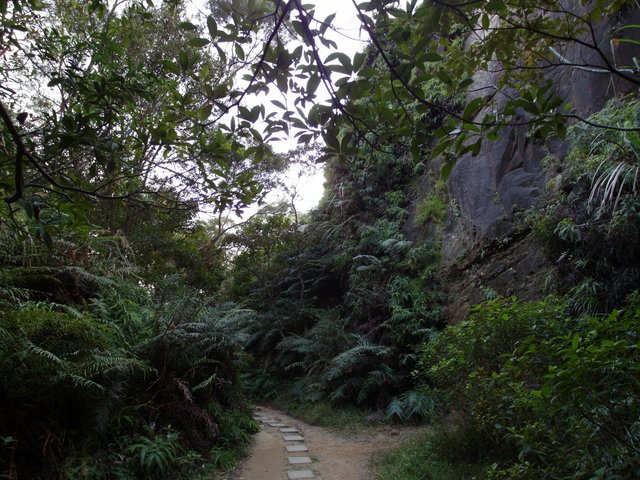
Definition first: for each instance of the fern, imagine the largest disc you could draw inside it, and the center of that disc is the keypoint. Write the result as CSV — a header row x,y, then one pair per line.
x,y
356,357
155,457
417,404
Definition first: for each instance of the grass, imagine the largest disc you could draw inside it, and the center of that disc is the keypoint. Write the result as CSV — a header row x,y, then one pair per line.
x,y
432,209
324,414
423,458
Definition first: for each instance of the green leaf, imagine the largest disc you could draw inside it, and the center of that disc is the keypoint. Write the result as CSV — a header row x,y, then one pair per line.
x,y
327,23
312,84
204,112
441,146
485,21
171,66
239,51
464,83
299,28
187,26
223,56
561,131
444,77
430,57
183,58
358,61
220,91
472,108
474,148
198,42
446,169
305,138
331,140
212,26
344,60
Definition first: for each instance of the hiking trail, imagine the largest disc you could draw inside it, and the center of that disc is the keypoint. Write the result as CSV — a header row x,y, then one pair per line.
x,y
289,449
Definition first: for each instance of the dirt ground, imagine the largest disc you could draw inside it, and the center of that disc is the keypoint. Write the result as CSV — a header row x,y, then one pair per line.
x,y
335,455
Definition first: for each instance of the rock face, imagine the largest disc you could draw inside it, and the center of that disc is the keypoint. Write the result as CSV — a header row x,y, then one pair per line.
x,y
487,192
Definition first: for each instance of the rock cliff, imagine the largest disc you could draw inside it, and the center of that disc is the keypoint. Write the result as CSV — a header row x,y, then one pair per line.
x,y
484,249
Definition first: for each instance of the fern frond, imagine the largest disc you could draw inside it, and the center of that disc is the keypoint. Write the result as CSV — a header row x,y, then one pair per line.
x,y
183,387
356,354
88,278
297,344
46,354
205,383
83,382
14,295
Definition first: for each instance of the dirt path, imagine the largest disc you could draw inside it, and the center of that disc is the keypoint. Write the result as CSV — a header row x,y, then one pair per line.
x,y
334,456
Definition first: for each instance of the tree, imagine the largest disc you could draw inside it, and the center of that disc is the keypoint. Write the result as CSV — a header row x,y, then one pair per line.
x,y
413,80
115,102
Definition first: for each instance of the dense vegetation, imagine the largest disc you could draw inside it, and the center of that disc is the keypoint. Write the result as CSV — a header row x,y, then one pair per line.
x,y
132,330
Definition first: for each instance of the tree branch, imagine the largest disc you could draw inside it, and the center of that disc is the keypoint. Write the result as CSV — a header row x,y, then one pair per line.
x,y
21,151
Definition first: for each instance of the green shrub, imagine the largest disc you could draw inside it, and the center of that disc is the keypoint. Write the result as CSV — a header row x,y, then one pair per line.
x,y
421,458
590,226
420,403
432,209
555,396
155,456
323,414
608,159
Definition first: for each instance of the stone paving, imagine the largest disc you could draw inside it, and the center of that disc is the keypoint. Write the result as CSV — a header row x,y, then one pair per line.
x,y
293,442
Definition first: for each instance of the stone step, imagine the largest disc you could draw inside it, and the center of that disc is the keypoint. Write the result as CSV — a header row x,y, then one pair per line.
x,y
299,460
289,430
293,438
276,424
297,448
296,474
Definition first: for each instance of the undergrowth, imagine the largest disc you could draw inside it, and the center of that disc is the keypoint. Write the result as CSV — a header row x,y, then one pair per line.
x,y
325,414
424,457
543,394
108,377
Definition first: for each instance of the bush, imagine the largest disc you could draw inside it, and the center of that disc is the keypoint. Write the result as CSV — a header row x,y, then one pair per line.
x,y
555,396
432,209
590,227
155,457
420,403
421,458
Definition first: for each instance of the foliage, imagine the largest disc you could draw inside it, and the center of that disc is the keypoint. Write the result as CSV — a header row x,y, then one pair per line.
x,y
342,309
431,210
114,110
156,456
590,225
260,249
609,159
94,366
323,413
146,127
412,81
420,403
551,395
422,457
119,334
